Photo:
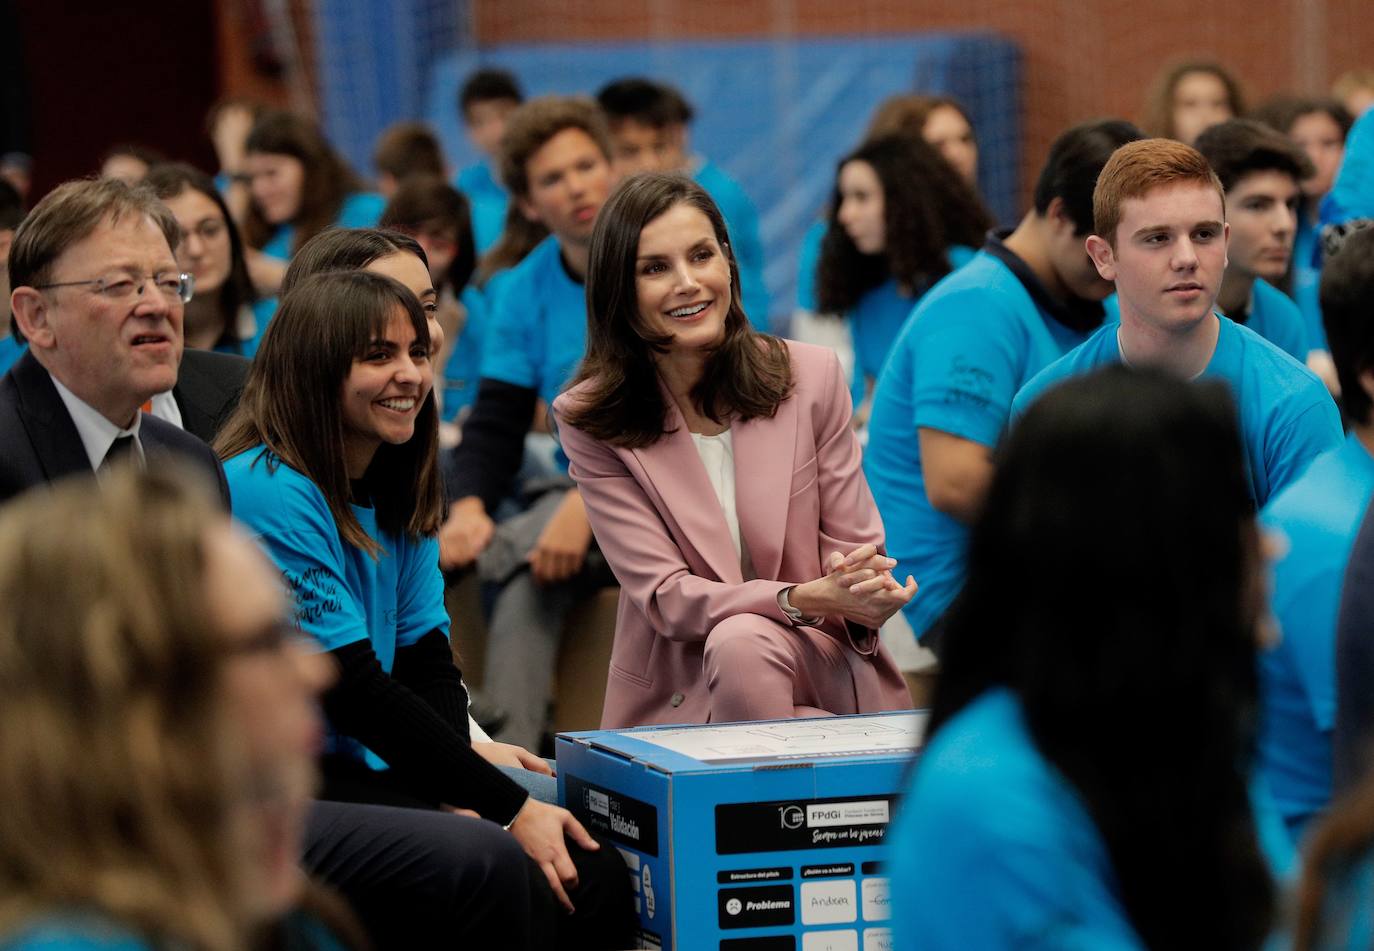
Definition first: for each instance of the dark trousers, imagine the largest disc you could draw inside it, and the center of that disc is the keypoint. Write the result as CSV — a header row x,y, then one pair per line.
x,y
420,878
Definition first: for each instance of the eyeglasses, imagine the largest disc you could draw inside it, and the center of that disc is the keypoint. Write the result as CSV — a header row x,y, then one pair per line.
x,y
125,288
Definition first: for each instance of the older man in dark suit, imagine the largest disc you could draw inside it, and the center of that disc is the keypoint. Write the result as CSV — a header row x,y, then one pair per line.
x,y
98,295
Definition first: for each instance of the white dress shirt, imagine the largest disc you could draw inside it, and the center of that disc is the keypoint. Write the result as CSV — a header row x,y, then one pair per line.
x,y
97,433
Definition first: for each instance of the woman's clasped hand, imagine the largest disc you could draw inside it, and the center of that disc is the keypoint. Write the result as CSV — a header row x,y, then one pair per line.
x,y
858,586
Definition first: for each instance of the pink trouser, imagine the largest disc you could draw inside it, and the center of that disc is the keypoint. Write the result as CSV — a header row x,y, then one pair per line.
x,y
758,669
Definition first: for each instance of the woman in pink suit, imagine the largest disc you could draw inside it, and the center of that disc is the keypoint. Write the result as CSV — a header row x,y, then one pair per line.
x,y
723,482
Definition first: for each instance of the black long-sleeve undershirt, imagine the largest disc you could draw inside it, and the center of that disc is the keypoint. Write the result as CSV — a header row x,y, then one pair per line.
x,y
411,720
485,463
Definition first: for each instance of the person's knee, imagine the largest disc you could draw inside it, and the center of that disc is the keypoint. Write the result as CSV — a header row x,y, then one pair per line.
x,y
603,897
738,639
477,856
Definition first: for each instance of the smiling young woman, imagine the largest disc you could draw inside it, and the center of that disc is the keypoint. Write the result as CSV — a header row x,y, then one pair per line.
x,y
332,461
768,605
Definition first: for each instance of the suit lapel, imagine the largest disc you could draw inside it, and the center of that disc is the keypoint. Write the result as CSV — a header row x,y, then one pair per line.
x,y
50,428
674,467
764,452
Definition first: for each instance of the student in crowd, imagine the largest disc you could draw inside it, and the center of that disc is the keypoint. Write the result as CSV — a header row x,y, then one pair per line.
x,y
1319,127
941,123
436,214
1355,90
299,186
901,218
1353,736
405,149
11,213
767,606
1262,172
1352,740
1058,802
975,338
129,163
225,313
228,124
485,102
157,729
556,162
1189,97
332,458
1318,516
1160,233
98,295
650,132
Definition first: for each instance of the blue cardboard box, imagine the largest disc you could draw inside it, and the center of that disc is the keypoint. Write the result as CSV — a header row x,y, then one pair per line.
x,y
762,836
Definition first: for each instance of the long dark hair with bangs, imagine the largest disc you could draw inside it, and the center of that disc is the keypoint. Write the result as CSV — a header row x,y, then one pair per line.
x,y
927,206
292,403
746,377
1113,586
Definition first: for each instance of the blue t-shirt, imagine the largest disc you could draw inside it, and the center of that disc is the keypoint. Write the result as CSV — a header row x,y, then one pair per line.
x,y
487,200
992,848
342,594
11,349
537,325
359,210
1307,279
808,261
465,359
877,319
1319,515
1287,418
1275,317
742,221
75,932
996,849
264,309
975,338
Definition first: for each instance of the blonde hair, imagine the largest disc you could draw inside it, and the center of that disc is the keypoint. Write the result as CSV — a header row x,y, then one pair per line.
x,y
1352,81
114,769
1140,167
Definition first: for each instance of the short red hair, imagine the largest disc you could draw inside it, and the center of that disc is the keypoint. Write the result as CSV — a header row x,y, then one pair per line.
x,y
1140,167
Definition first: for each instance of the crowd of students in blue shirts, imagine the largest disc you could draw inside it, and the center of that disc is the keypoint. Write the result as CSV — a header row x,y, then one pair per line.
x,y
972,350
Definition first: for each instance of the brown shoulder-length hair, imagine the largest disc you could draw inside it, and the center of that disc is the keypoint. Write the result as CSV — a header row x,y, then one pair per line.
x,y
328,178
747,375
292,403
1159,107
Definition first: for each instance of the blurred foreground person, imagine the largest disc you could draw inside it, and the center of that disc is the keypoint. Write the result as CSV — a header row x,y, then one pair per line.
x,y
1084,781
158,727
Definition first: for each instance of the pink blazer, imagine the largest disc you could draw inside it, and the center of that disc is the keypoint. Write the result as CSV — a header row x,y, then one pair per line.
x,y
800,494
